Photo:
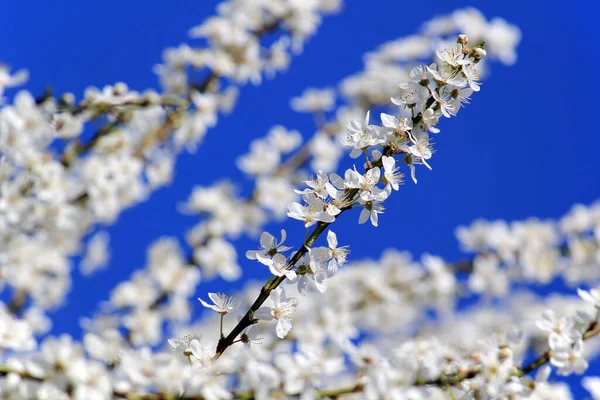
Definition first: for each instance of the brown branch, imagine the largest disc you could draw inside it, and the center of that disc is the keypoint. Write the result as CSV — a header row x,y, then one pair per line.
x,y
17,302
544,358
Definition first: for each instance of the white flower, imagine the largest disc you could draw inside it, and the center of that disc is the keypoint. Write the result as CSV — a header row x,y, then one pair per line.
x,y
317,185
315,210
430,118
396,128
218,257
568,357
563,327
338,254
283,140
592,297
454,56
360,137
268,246
592,385
97,253
314,100
273,193
282,311
472,76
366,183
488,277
421,147
445,101
203,355
222,303
184,344
326,152
310,270
8,80
416,89
391,176
447,75
277,265
262,159
373,207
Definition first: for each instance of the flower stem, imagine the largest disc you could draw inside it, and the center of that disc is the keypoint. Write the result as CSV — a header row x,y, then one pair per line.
x,y
221,336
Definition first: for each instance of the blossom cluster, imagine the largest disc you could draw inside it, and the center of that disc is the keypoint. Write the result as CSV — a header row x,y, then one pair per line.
x,y
414,353
61,177
321,327
277,165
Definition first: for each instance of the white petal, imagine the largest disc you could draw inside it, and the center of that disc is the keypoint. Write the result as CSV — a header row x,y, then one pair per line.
x,y
205,304
265,260
389,120
332,240
251,254
364,216
291,275
366,121
283,327
283,236
412,173
374,218
267,240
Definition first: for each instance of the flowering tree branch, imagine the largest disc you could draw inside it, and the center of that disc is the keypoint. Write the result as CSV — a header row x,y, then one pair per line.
x,y
59,184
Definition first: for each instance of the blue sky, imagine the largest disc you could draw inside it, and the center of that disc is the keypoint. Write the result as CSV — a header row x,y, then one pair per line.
x,y
526,146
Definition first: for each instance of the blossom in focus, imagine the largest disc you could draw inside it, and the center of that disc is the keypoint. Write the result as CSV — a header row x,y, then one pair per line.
x,y
338,254
222,303
282,311
269,246
278,265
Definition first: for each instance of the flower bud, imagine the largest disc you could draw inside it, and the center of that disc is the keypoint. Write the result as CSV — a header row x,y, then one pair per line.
x,y
120,88
504,353
152,97
68,98
479,53
463,39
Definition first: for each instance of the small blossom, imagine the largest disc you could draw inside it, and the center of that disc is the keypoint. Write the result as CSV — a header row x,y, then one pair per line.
x,y
592,385
202,355
568,357
9,80
278,265
454,56
563,327
396,126
317,185
373,207
361,137
314,100
311,271
315,210
592,296
366,183
184,344
284,140
421,147
222,303
282,311
446,74
338,254
268,246
97,254
391,176
472,76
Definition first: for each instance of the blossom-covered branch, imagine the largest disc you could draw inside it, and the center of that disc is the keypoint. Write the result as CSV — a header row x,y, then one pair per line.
x,y
423,95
